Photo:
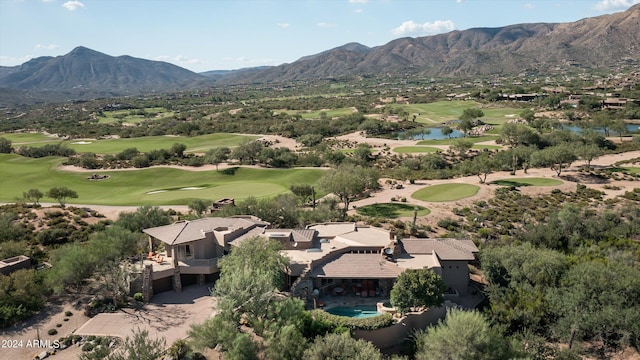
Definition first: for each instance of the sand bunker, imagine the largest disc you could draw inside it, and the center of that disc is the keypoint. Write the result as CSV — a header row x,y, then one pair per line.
x,y
156,192
81,143
192,188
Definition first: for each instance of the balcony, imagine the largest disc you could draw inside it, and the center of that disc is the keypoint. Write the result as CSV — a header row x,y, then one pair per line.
x,y
163,266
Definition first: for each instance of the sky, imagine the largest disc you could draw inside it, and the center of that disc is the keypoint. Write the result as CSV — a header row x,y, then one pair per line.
x,y
203,35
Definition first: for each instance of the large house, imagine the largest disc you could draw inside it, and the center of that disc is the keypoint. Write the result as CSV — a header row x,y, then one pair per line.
x,y
328,258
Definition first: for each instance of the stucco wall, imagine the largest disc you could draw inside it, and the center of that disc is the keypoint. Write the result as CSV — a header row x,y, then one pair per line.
x,y
397,333
456,275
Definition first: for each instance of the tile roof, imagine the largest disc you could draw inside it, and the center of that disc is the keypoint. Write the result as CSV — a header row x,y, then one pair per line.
x,y
446,249
188,231
357,266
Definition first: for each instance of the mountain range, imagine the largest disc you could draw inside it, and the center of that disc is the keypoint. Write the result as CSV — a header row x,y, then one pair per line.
x,y
598,42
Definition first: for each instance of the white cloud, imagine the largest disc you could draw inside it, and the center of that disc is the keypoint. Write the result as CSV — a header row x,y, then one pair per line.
x,y
47,47
48,0
529,6
326,25
412,28
73,5
179,59
604,5
358,1
283,25
459,1
14,61
357,11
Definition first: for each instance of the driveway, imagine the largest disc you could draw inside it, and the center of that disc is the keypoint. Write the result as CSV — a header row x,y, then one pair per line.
x,y
168,315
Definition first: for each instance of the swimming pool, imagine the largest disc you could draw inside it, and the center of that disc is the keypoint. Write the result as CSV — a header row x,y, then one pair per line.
x,y
358,312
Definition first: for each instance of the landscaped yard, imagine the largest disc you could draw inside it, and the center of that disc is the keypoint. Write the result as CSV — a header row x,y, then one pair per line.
x,y
445,192
154,186
392,210
516,182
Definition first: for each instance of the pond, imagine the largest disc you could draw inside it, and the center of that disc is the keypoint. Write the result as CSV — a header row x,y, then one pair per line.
x,y
631,129
436,134
358,312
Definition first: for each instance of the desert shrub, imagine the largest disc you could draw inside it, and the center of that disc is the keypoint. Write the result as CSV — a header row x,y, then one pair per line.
x,y
87,347
138,297
68,313
52,331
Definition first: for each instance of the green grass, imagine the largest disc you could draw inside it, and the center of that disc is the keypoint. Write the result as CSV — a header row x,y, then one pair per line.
x,y
113,146
415,149
474,139
489,147
442,111
392,210
19,174
527,182
633,170
445,192
129,116
28,138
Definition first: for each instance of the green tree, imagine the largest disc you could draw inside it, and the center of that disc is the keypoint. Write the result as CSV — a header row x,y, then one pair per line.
x,y
446,130
247,152
465,125
518,134
416,288
348,182
480,166
177,150
341,347
88,161
72,264
620,127
461,146
528,115
463,335
304,192
198,206
139,347
217,155
588,152
555,157
33,195
61,194
602,119
143,218
5,146
250,278
519,278
598,301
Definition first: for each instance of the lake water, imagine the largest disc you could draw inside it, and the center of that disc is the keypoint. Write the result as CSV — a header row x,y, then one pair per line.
x,y
631,129
436,134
